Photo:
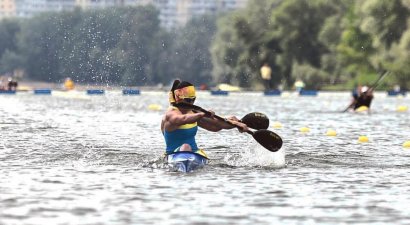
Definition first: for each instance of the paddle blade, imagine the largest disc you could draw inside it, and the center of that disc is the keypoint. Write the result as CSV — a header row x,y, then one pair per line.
x,y
268,139
256,121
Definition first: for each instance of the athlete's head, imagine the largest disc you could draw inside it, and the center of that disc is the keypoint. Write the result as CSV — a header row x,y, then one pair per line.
x,y
185,91
364,89
182,91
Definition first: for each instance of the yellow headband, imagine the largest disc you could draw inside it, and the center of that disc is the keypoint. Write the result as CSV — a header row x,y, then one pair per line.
x,y
186,92
171,97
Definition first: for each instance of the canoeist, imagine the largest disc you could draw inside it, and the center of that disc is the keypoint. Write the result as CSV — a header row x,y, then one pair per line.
x,y
362,99
12,85
179,125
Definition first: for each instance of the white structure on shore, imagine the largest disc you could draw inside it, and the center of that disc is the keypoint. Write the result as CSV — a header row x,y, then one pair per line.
x,y
7,8
28,8
173,13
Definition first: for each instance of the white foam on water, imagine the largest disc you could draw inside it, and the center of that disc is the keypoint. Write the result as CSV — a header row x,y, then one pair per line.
x,y
258,156
12,105
73,94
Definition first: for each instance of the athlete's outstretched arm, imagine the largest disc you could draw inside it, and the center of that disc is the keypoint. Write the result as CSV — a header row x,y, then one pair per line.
x,y
177,119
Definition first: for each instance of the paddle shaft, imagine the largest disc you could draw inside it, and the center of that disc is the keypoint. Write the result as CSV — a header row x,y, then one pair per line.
x,y
219,118
266,138
377,82
208,113
227,121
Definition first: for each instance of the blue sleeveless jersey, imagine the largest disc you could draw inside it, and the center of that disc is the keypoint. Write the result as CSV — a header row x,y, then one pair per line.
x,y
185,134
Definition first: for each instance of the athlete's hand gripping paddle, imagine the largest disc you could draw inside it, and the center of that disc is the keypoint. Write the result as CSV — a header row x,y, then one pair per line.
x,y
268,139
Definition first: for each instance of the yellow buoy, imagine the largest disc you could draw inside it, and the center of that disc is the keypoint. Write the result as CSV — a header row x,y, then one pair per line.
x,y
154,107
402,108
304,129
277,125
331,133
285,95
363,139
406,144
362,108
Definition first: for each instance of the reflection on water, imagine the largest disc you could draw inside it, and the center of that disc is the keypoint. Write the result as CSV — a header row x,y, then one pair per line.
x,y
75,159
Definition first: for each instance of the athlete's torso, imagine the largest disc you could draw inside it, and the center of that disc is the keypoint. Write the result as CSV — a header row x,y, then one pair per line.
x,y
184,134
363,101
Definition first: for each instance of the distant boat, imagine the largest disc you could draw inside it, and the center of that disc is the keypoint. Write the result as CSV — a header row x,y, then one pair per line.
x,y
272,92
227,87
7,92
308,92
395,93
219,92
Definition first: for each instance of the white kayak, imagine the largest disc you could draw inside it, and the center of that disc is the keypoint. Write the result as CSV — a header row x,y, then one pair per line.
x,y
186,161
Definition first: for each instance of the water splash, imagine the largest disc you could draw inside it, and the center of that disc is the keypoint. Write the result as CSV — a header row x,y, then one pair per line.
x,y
257,156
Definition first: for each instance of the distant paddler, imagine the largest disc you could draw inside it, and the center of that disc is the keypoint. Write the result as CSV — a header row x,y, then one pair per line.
x,y
12,84
299,85
180,125
362,99
68,84
363,96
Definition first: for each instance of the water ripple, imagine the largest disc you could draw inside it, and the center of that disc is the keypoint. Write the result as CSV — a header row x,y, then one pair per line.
x,y
98,160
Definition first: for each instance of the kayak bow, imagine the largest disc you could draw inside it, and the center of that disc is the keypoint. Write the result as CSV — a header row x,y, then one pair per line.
x,y
185,161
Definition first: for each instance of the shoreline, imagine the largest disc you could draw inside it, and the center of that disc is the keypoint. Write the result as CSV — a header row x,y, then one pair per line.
x,y
32,85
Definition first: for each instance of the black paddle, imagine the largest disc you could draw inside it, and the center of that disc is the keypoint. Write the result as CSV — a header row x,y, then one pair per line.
x,y
372,87
268,139
377,82
254,120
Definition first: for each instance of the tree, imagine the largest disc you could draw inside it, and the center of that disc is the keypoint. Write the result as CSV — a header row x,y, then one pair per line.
x,y
9,60
386,20
278,32
241,45
398,60
191,58
39,45
135,50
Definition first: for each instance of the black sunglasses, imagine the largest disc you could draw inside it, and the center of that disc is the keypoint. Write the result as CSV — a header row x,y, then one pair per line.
x,y
189,100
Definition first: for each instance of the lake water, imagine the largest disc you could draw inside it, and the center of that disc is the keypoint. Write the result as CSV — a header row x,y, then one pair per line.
x,y
77,159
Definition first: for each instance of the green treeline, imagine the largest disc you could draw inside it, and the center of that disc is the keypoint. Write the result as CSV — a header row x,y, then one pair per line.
x,y
122,46
327,44
322,42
